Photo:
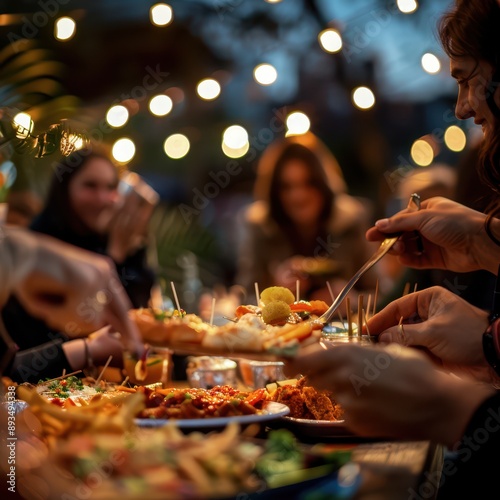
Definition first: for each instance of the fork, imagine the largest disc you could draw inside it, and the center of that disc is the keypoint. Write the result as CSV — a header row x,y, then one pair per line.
x,y
385,246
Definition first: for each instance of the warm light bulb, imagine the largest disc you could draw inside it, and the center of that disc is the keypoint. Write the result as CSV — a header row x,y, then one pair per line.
x,y
64,28
363,98
117,116
265,74
407,6
161,14
208,89
23,125
330,40
431,63
235,137
422,153
176,146
160,105
455,138
297,123
123,150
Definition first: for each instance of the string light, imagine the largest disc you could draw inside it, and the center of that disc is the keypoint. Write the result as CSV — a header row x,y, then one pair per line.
x,y
64,28
235,153
160,105
235,137
176,146
422,153
123,150
117,116
297,123
407,6
330,40
208,89
23,125
455,138
363,98
161,14
265,74
431,63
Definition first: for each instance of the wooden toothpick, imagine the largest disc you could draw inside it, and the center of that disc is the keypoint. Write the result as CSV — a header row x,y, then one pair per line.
x,y
63,376
360,313
349,319
175,296
213,312
375,298
103,370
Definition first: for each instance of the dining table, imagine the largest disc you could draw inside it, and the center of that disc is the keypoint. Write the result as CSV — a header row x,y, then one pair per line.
x,y
389,469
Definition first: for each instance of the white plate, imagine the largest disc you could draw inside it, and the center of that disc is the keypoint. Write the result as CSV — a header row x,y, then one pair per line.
x,y
270,411
317,428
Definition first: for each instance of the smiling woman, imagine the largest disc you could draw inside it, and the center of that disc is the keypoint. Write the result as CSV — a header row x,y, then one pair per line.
x,y
470,37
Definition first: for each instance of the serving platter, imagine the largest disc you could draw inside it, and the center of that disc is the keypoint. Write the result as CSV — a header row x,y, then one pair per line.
x,y
316,428
199,350
270,411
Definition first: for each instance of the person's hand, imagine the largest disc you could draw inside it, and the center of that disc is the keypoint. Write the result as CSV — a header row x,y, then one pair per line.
x,y
104,343
127,226
72,290
288,272
392,391
447,326
453,237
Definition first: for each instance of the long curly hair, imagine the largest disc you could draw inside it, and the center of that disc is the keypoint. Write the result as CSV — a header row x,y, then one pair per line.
x,y
471,29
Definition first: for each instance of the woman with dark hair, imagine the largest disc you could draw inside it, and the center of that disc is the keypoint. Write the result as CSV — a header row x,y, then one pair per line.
x,y
450,395
303,226
85,209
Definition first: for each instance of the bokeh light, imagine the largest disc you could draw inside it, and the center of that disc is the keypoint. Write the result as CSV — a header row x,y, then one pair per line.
x,y
431,63
77,141
161,14
265,74
23,124
407,6
123,150
297,123
235,137
330,40
363,98
208,89
422,153
64,28
176,146
455,139
117,115
235,153
160,105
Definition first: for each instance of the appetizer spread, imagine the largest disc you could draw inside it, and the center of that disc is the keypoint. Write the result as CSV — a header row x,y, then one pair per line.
x,y
279,325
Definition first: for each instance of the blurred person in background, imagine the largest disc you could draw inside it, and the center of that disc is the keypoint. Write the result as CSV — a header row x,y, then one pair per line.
x,y
303,225
84,208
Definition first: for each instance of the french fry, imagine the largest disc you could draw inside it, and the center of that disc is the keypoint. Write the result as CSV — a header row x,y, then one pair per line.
x,y
299,332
